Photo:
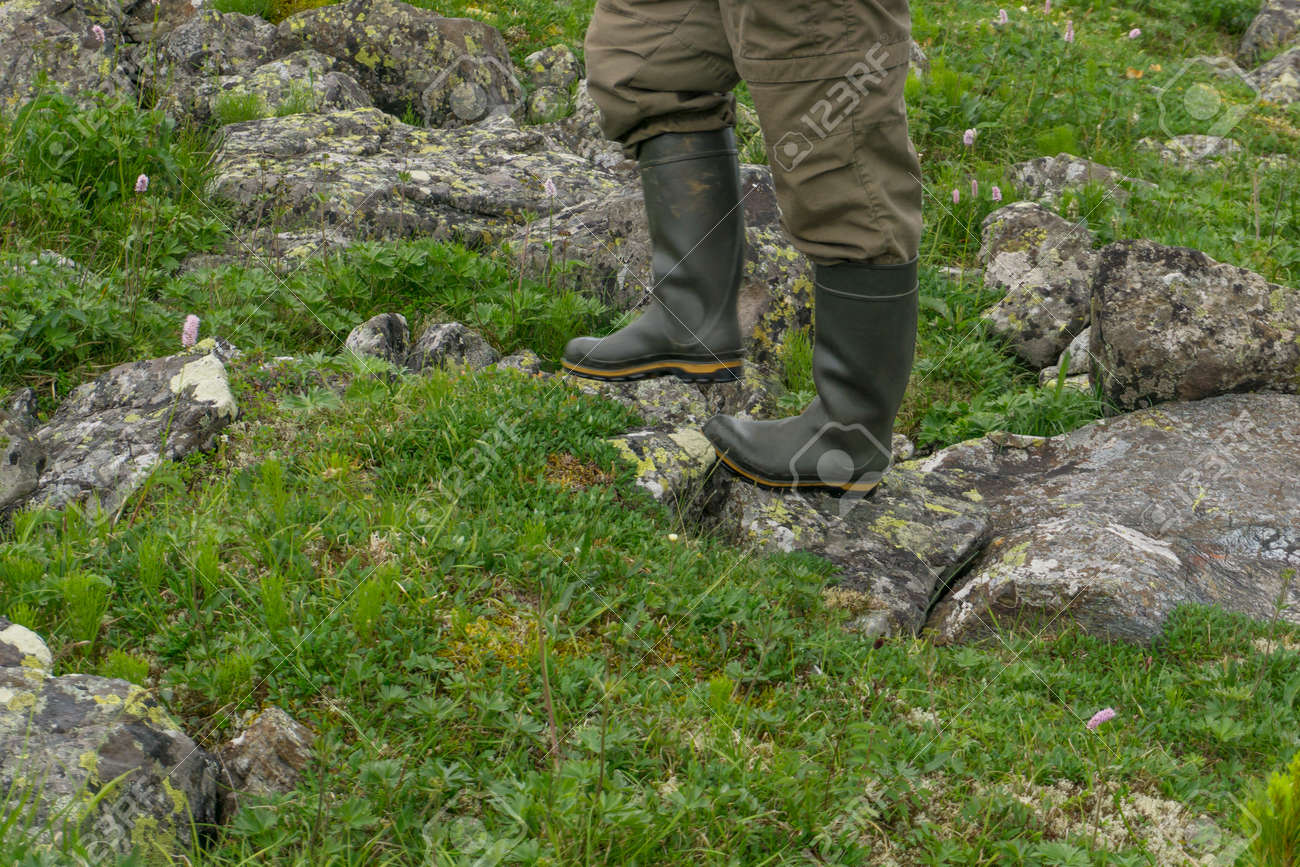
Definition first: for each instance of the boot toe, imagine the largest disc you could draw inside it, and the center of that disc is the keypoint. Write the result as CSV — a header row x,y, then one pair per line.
x,y
580,349
722,431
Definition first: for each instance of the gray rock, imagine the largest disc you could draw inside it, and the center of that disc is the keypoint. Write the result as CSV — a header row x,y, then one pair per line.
x,y
1276,25
553,67
22,459
1044,179
1191,150
450,342
266,757
54,38
1044,262
1170,323
580,132
21,407
63,739
365,174
546,104
917,62
894,550
664,403
109,434
1279,79
525,361
1047,378
304,81
384,336
182,66
451,71
671,466
147,21
1080,359
1216,522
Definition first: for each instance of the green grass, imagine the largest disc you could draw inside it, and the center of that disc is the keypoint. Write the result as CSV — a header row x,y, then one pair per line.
x,y
373,568
382,559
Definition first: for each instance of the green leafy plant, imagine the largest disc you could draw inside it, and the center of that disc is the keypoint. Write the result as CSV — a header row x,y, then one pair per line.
x,y
1270,819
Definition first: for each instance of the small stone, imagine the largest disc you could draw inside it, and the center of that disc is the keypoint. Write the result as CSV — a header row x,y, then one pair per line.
x,y
555,67
383,336
450,342
1044,179
525,362
547,104
267,757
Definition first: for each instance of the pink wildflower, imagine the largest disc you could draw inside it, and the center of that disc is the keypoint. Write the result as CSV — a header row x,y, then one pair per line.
x,y
549,186
974,188
1002,16
98,33
1047,6
956,196
1134,33
190,332
1104,715
1069,31
142,183
968,137
996,193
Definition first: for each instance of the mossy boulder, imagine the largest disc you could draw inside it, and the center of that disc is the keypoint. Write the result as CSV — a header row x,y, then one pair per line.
x,y
100,756
55,41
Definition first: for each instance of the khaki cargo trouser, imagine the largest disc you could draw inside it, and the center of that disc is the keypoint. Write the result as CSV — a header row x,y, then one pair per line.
x,y
827,80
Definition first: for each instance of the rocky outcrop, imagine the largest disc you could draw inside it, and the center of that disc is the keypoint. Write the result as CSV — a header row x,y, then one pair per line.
x,y
366,174
894,551
1044,263
1044,179
1279,79
1276,25
448,71
1170,323
109,434
266,757
181,68
55,40
1216,522
100,755
302,82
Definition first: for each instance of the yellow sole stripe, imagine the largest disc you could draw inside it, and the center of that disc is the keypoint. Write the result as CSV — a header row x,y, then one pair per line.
x,y
852,487
684,366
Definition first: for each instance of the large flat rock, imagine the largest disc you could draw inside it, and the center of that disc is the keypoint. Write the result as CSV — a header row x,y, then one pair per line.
x,y
1115,525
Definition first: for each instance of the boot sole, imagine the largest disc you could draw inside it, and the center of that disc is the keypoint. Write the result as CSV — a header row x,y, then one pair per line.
x,y
864,488
687,371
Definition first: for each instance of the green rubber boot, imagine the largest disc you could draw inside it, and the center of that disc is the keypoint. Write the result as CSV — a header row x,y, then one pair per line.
x,y
691,329
865,339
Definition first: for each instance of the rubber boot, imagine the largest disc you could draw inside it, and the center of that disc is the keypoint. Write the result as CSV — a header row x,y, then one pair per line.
x,y
691,329
862,357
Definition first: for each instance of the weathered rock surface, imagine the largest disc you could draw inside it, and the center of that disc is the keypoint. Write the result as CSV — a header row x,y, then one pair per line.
x,y
1170,323
894,550
451,342
1216,523
552,73
1044,179
304,81
385,336
366,174
54,38
1279,79
580,132
22,459
450,71
1190,150
266,757
108,435
1276,25
63,739
21,407
181,67
526,361
1045,263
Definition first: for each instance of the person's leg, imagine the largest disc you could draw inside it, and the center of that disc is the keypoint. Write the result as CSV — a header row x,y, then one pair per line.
x,y
827,79
661,73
